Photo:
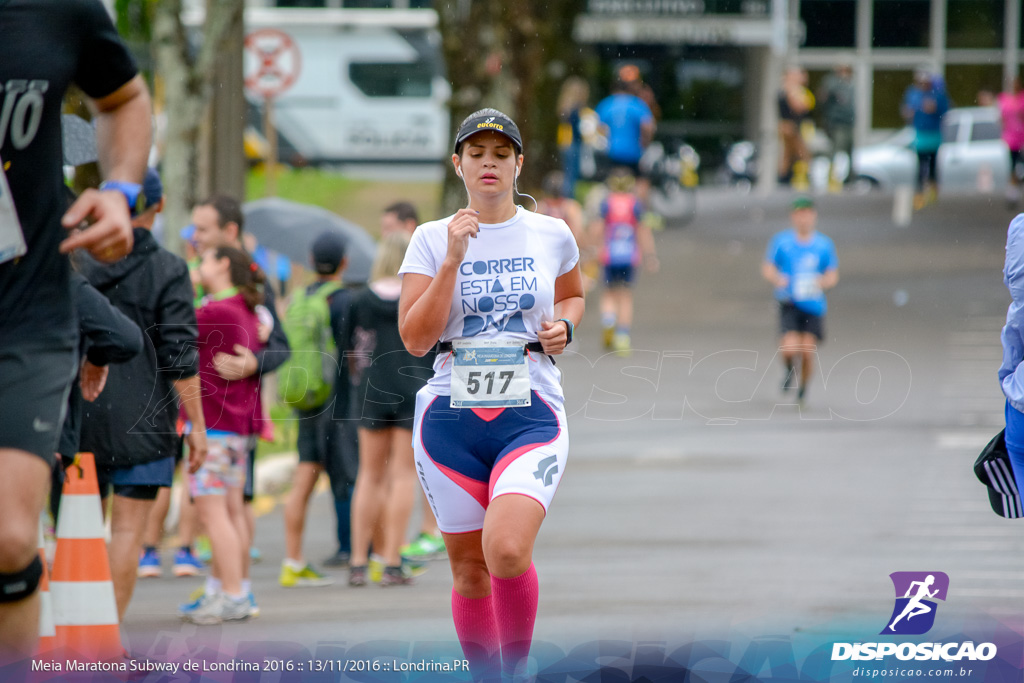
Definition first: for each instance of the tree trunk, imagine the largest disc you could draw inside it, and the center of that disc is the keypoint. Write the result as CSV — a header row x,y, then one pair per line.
x,y
188,86
513,57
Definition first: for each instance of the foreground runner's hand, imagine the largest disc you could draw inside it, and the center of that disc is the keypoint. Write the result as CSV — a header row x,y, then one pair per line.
x,y
552,337
196,441
92,380
464,225
109,237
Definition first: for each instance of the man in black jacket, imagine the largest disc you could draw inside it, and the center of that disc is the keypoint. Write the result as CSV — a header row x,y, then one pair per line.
x,y
131,427
106,335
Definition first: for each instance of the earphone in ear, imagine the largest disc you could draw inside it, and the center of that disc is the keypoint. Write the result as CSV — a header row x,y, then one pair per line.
x,y
517,172
458,172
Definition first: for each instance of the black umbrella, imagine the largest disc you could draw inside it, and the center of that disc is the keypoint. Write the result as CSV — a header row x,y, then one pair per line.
x,y
289,228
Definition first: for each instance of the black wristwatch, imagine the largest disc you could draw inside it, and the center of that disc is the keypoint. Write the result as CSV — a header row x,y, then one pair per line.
x,y
569,329
132,193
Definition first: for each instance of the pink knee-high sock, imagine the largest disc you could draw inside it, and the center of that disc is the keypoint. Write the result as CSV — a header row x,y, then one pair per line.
x,y
478,633
515,609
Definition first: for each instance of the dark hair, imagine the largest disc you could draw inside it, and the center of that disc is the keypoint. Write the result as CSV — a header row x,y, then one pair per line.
x,y
244,273
404,211
229,210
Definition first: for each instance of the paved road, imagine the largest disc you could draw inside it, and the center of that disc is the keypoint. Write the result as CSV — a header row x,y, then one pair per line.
x,y
696,498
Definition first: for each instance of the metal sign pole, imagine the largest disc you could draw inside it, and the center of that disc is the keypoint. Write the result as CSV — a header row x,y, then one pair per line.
x,y
270,130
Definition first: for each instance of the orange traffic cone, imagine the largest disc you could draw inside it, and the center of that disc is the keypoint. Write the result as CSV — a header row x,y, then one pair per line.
x,y
84,608
47,629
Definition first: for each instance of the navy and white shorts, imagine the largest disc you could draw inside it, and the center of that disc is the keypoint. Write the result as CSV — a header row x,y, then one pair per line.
x,y
467,457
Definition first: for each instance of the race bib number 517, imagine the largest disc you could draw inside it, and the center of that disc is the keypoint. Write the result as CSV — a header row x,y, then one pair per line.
x,y
490,373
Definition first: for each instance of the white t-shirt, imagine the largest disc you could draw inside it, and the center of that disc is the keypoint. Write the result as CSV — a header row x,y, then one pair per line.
x,y
505,285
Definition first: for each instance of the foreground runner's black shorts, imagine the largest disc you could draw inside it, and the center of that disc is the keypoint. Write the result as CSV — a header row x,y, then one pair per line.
x,y
34,386
792,319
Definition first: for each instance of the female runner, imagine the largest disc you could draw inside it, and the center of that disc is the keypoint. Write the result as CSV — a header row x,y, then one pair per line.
x,y
497,289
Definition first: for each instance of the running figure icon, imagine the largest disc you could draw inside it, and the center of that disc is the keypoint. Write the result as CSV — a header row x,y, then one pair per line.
x,y
915,607
917,595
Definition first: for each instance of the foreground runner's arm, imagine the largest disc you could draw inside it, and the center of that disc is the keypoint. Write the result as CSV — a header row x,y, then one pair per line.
x,y
426,301
123,140
569,304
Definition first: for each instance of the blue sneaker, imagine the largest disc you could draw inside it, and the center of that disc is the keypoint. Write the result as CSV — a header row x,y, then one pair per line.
x,y
186,564
254,609
196,599
149,564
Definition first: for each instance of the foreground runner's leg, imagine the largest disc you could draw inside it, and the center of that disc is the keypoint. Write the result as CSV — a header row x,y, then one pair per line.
x,y
23,490
790,347
808,350
472,606
510,530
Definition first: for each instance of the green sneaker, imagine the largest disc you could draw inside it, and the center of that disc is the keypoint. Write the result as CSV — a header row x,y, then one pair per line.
x,y
307,577
426,547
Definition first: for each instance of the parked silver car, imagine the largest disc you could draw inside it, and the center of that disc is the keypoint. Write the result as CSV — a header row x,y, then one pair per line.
x,y
972,157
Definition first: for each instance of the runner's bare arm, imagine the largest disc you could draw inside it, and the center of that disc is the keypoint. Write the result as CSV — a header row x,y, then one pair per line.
x,y
829,279
123,135
770,273
569,303
424,307
426,301
124,131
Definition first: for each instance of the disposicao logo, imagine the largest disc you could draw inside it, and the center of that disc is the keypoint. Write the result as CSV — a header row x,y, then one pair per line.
x,y
916,592
914,614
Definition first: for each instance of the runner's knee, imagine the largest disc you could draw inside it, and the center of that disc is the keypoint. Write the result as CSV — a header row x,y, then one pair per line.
x,y
471,578
19,544
507,555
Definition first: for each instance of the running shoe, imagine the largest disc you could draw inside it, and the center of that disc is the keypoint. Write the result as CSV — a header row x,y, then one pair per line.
x,y
394,576
338,559
149,564
220,608
307,577
186,564
376,567
426,547
789,381
255,556
622,345
195,598
357,575
801,394
413,567
254,609
607,337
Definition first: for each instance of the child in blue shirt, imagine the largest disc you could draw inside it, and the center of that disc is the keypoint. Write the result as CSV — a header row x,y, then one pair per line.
x,y
801,264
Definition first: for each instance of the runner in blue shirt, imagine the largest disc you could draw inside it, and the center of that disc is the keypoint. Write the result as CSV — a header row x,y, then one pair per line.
x,y
801,264
630,129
